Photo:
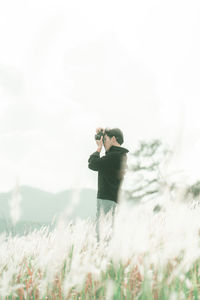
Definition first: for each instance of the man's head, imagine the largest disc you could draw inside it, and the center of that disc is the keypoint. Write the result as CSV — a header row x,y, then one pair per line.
x,y
113,137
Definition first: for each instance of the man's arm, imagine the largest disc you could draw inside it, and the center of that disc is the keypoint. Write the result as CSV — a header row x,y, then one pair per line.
x,y
96,163
91,161
96,154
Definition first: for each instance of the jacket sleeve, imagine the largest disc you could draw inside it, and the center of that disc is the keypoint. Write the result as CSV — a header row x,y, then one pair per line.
x,y
96,163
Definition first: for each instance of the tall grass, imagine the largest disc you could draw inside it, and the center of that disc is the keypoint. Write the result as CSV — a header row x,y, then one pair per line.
x,y
147,255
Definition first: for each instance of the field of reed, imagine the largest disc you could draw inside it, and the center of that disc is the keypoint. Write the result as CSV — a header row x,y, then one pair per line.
x,y
148,254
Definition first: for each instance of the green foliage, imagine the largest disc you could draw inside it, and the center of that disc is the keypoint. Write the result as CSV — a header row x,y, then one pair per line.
x,y
194,190
147,180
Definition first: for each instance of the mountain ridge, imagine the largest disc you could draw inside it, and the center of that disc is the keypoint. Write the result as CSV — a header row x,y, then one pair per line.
x,y
41,206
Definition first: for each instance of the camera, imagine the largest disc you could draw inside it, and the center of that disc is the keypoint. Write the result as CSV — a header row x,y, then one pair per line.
x,y
99,135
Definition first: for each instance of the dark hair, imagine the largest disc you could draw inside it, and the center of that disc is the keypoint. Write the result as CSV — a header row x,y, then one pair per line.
x,y
115,132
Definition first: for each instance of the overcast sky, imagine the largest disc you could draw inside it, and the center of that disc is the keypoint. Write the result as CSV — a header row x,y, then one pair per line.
x,y
67,67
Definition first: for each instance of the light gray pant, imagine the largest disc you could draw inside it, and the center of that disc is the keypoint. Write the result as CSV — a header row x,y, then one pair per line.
x,y
104,206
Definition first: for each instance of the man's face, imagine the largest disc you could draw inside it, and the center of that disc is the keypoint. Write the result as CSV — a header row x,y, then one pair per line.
x,y
107,142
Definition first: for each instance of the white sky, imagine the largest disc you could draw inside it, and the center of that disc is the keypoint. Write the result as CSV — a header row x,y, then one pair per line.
x,y
67,67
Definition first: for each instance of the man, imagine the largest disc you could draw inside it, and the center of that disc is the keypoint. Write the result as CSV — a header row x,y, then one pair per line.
x,y
111,169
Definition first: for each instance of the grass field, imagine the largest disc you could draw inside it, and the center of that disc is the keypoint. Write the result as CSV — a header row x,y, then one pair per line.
x,y
148,255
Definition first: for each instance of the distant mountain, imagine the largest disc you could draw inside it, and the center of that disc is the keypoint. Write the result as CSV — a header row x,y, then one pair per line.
x,y
40,207
21,228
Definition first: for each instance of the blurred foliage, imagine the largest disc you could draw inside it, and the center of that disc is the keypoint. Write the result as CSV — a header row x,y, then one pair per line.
x,y
145,170
194,190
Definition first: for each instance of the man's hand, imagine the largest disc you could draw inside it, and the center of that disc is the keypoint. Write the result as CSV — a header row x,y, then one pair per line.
x,y
99,129
99,142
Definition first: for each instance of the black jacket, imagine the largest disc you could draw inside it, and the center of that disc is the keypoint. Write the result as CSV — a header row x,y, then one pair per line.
x,y
111,170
